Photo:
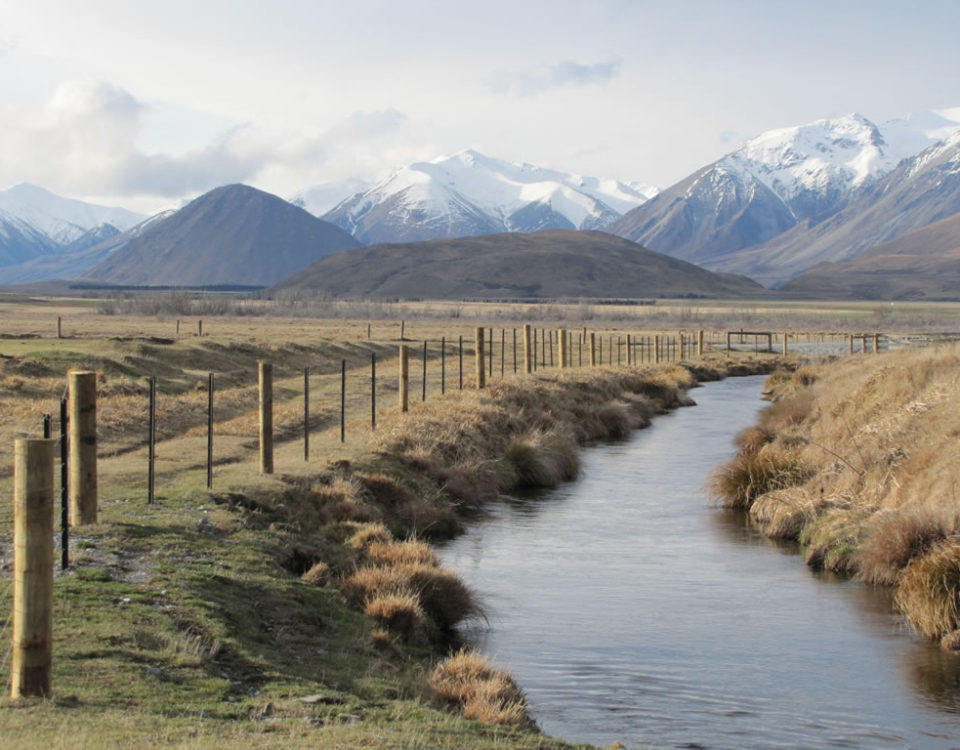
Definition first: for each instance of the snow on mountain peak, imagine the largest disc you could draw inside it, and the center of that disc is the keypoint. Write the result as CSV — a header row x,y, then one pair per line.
x,y
61,219
499,194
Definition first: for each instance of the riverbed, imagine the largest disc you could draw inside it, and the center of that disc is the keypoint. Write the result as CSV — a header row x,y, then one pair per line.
x,y
631,609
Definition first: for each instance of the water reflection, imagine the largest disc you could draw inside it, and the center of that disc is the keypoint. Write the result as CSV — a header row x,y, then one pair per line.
x,y
630,609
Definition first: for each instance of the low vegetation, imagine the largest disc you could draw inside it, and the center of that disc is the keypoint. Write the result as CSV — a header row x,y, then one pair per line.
x,y
856,459
305,608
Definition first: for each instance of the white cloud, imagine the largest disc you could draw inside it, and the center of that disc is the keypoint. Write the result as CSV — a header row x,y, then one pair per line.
x,y
83,141
564,73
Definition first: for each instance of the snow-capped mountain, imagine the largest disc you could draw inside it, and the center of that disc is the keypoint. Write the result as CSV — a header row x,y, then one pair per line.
x,y
36,222
922,190
779,180
470,194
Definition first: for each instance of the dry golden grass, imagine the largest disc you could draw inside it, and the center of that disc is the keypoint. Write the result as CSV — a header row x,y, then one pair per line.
x,y
897,536
929,590
750,474
878,435
441,593
485,693
318,574
411,551
369,533
397,611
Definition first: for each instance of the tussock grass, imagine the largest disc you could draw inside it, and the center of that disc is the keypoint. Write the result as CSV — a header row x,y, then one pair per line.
x,y
894,538
929,590
398,611
441,593
748,475
543,459
784,514
318,574
484,693
411,551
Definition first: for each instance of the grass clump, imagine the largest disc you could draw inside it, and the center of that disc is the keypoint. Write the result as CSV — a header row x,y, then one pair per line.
x,y
929,590
543,458
397,611
442,595
748,475
468,681
895,538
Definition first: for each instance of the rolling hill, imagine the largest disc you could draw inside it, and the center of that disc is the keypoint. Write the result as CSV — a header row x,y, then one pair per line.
x,y
551,264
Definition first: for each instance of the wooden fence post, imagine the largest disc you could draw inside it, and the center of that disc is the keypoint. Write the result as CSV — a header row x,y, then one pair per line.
x,y
423,384
306,413
656,350
209,430
876,343
404,383
265,377
851,343
527,357
489,343
32,568
481,371
629,350
59,328
82,421
403,326
200,328
152,441
373,390
681,343
700,343
593,349
562,346
343,400
784,343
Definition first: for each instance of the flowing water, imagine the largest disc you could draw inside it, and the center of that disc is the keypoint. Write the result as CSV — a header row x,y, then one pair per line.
x,y
630,609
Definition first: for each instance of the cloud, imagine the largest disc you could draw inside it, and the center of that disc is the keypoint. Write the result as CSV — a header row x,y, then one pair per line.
x,y
564,73
83,141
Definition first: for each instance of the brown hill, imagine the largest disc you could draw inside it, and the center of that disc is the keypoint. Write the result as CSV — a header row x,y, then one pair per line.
x,y
232,235
553,264
924,264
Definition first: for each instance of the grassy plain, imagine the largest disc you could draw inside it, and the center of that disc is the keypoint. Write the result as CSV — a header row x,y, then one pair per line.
x,y
229,617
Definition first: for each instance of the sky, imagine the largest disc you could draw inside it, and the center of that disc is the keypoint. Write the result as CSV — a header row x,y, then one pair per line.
x,y
143,105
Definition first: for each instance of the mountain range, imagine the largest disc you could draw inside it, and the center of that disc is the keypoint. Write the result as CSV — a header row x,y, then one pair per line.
x,y
772,209
759,209
470,194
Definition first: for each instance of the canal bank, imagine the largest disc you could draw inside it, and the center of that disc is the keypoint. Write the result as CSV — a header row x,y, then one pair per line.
x,y
630,609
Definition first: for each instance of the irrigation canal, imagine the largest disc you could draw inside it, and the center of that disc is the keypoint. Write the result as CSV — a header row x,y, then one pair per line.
x,y
630,609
